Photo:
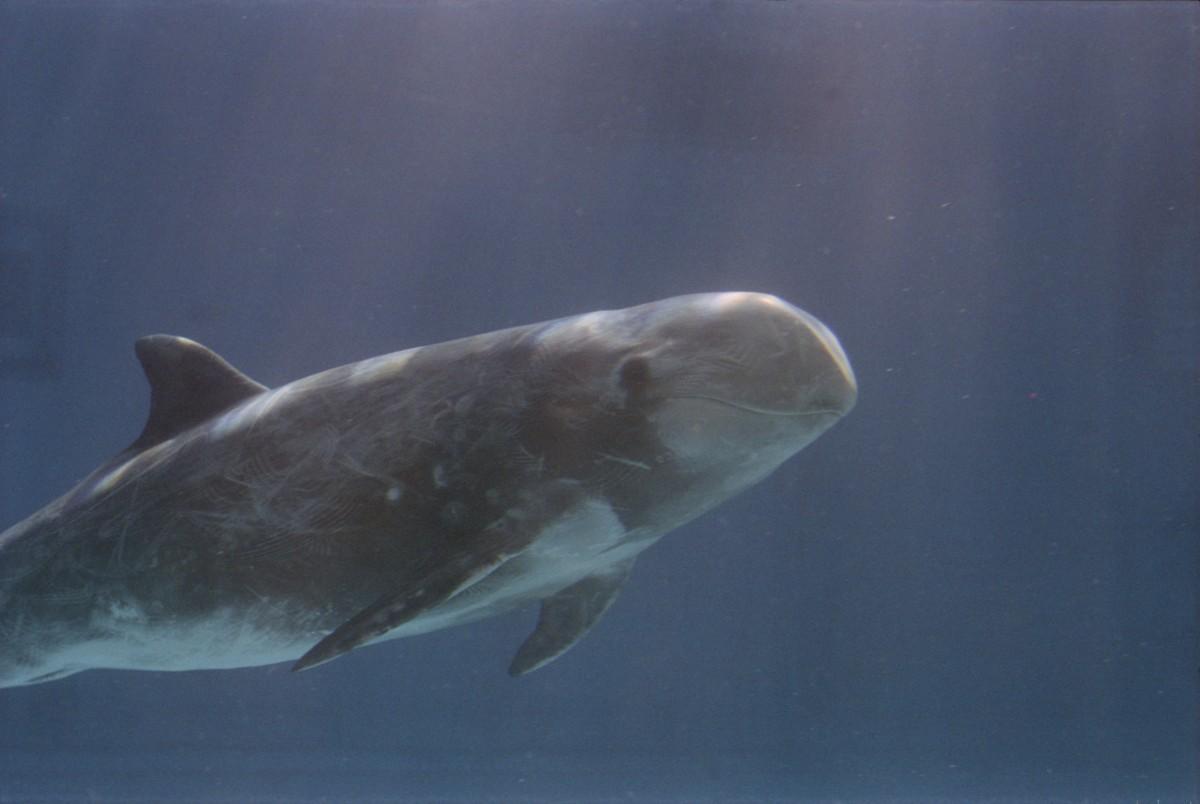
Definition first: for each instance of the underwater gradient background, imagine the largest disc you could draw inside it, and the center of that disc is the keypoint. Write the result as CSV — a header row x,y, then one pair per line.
x,y
981,584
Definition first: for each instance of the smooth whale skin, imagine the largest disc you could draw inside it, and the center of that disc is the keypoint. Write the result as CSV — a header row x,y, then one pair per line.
x,y
410,492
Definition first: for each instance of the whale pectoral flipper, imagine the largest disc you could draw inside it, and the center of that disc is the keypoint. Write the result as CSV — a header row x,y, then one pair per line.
x,y
473,561
393,610
567,615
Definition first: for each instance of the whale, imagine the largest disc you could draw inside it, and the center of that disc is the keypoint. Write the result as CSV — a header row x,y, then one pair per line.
x,y
411,492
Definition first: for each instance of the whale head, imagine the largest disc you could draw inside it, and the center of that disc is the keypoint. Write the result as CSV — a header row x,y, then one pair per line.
x,y
697,397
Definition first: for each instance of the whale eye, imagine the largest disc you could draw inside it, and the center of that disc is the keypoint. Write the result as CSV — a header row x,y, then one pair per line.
x,y
635,376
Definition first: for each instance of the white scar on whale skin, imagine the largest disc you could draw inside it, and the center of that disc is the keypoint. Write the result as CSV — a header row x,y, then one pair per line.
x,y
410,492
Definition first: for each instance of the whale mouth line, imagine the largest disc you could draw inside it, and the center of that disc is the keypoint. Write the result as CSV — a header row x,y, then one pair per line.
x,y
763,411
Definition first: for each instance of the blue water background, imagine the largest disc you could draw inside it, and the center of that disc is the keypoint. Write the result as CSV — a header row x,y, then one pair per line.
x,y
981,584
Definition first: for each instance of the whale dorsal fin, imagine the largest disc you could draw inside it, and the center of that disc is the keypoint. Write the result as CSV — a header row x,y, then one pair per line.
x,y
189,383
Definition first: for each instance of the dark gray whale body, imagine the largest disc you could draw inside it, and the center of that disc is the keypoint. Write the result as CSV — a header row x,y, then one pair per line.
x,y
410,492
